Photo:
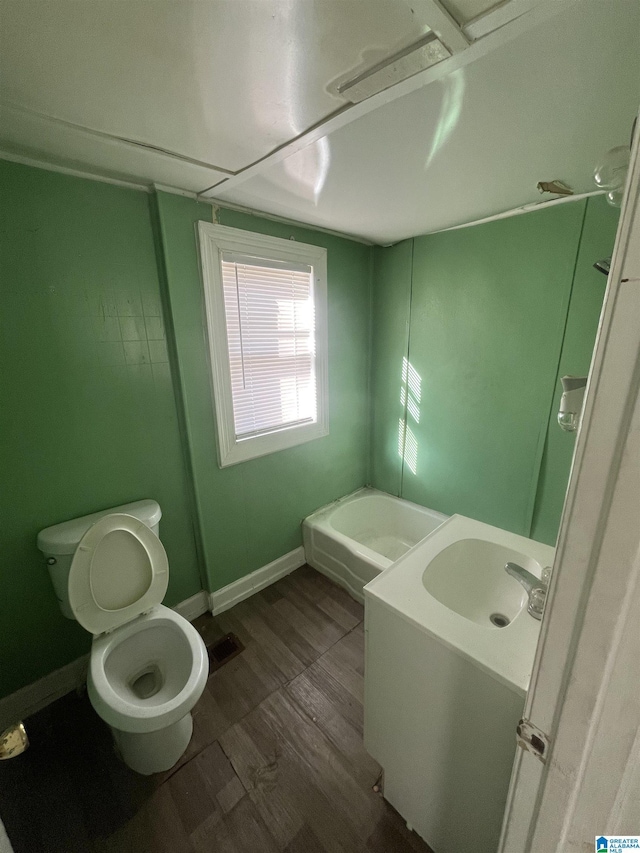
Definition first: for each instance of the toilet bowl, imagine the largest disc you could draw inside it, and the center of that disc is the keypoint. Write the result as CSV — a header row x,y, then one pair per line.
x,y
144,679
148,665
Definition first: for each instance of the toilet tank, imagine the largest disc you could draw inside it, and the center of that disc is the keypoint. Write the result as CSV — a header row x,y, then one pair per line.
x,y
59,542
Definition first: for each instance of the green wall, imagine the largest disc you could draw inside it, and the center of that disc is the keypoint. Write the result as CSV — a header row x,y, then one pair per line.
x,y
100,406
597,241
250,513
496,313
391,296
87,414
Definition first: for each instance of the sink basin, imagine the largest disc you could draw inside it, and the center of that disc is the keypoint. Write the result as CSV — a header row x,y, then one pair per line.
x,y
469,578
453,586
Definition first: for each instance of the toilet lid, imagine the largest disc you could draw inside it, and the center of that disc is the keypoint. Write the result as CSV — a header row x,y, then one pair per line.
x,y
119,570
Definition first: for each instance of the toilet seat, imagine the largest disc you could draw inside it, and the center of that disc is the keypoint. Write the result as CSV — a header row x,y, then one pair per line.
x,y
119,571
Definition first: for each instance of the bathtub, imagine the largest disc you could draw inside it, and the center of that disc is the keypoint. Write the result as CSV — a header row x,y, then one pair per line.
x,y
355,538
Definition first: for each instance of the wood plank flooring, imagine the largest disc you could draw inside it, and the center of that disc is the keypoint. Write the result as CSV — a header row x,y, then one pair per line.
x,y
276,763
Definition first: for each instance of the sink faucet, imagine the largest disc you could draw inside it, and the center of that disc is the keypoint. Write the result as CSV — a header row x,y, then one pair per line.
x,y
536,588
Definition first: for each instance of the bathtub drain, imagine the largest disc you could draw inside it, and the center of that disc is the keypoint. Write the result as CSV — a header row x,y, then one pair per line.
x,y
499,620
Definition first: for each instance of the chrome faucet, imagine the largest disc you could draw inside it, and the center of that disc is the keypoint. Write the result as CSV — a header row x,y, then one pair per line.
x,y
536,588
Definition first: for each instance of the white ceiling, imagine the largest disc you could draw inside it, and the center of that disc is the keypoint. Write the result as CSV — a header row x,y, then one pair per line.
x,y
191,94
544,106
222,82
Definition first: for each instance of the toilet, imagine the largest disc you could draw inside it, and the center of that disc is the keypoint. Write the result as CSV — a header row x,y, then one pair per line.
x,y
148,665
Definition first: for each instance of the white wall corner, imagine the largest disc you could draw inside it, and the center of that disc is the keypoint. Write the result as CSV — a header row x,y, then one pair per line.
x,y
193,607
223,599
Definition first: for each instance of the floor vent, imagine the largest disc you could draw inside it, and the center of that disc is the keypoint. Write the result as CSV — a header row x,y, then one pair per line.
x,y
223,651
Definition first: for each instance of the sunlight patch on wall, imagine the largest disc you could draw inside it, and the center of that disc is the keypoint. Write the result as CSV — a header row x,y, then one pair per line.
x,y
410,398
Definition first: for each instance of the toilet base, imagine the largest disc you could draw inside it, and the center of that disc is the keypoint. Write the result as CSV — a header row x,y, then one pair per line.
x,y
154,752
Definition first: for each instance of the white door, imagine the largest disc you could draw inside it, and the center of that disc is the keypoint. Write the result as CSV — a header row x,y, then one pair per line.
x,y
585,688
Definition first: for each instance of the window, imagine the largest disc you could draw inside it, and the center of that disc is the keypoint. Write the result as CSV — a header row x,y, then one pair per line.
x,y
266,317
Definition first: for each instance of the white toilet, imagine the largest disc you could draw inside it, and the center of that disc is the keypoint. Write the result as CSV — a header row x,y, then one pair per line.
x,y
148,665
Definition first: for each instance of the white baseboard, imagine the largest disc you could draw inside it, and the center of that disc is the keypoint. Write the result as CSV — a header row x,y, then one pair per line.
x,y
193,607
36,696
223,599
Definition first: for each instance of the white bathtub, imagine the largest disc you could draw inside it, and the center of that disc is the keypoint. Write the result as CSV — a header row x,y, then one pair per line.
x,y
355,538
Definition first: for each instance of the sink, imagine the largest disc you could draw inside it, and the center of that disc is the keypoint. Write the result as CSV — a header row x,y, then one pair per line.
x,y
468,577
453,586
448,656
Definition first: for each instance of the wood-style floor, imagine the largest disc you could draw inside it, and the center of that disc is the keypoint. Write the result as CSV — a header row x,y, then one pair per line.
x,y
276,762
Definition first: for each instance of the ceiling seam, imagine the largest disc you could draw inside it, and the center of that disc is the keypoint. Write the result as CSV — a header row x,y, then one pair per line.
x,y
112,137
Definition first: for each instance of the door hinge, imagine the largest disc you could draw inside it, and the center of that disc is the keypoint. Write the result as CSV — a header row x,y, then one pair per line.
x,y
533,740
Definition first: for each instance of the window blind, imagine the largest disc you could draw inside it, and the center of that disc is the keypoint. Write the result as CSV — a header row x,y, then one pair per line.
x,y
270,318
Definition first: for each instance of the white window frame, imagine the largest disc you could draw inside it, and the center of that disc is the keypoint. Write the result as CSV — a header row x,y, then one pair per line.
x,y
214,240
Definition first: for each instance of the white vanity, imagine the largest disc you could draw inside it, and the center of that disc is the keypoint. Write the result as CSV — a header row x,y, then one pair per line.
x,y
449,652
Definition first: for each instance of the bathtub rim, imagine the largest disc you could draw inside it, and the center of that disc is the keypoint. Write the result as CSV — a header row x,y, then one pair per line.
x,y
320,515
318,522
